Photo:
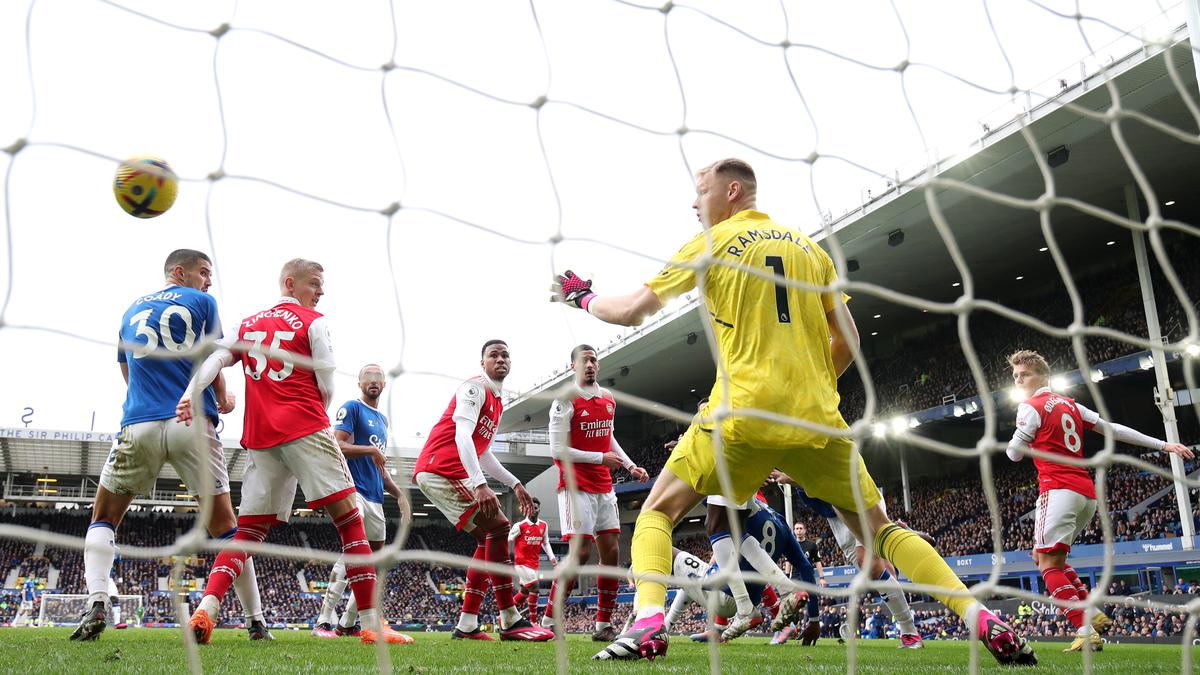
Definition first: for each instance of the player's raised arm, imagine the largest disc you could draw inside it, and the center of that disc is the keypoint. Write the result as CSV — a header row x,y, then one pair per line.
x,y
1124,434
622,310
221,357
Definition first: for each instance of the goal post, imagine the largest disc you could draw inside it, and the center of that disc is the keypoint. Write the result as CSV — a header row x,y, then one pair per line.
x,y
64,609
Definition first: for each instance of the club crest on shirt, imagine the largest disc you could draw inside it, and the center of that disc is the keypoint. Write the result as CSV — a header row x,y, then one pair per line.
x,y
609,407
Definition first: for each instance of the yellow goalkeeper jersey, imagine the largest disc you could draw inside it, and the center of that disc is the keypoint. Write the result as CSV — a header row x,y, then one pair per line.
x,y
773,339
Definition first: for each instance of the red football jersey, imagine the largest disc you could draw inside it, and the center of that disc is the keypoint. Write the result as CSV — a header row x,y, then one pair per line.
x,y
1053,423
440,454
591,421
527,547
283,402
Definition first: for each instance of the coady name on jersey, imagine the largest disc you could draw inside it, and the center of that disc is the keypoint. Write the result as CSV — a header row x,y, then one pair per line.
x,y
169,296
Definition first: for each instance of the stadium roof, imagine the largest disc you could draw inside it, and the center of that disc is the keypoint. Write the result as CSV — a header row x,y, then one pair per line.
x,y
999,243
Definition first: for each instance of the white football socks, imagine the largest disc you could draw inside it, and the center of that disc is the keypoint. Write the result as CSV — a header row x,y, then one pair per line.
x,y
893,595
754,554
467,622
210,604
509,616
246,587
727,559
351,614
333,594
370,619
99,552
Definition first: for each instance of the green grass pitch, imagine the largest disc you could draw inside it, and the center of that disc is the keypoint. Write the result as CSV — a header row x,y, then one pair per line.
x,y
36,650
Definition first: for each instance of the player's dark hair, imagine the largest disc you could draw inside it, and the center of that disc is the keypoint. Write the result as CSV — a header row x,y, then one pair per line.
x,y
579,349
537,501
489,343
185,258
735,169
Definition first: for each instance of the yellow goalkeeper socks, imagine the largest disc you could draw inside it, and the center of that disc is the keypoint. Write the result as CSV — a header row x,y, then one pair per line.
x,y
921,563
651,551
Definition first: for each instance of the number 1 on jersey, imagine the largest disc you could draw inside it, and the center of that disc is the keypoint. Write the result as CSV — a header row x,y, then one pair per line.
x,y
781,292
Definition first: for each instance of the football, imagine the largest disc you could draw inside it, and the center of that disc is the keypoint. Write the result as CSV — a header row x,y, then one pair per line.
x,y
145,186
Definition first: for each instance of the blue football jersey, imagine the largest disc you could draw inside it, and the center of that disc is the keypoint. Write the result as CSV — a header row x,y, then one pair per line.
x,y
366,426
171,320
29,590
778,540
821,507
773,533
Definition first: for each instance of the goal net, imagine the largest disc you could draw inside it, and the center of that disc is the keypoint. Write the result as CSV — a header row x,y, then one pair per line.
x,y
444,161
58,609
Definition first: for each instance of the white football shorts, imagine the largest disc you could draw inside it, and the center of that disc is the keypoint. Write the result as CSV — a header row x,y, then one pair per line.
x,y
452,497
141,449
1061,515
374,522
314,462
587,514
526,575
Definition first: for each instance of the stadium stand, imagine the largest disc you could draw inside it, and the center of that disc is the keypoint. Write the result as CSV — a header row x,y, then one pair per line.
x,y
924,370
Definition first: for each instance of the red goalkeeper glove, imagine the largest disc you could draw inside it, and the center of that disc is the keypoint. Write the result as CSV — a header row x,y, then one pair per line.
x,y
572,290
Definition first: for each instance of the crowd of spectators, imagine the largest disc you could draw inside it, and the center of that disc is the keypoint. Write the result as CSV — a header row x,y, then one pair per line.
x,y
957,514
13,554
9,602
926,369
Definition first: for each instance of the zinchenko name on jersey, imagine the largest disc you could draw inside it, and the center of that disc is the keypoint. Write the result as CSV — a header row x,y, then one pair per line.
x,y
292,320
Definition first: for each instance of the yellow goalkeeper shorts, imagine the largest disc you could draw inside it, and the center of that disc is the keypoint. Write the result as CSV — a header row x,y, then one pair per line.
x,y
824,472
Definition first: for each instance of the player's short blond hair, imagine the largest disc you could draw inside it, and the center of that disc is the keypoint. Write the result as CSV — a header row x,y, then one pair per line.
x,y
1027,357
733,169
299,268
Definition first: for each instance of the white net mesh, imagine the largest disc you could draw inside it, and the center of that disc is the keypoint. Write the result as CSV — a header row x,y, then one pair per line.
x,y
545,104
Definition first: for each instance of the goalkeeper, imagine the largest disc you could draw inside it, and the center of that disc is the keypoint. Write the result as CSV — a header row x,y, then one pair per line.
x,y
783,338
